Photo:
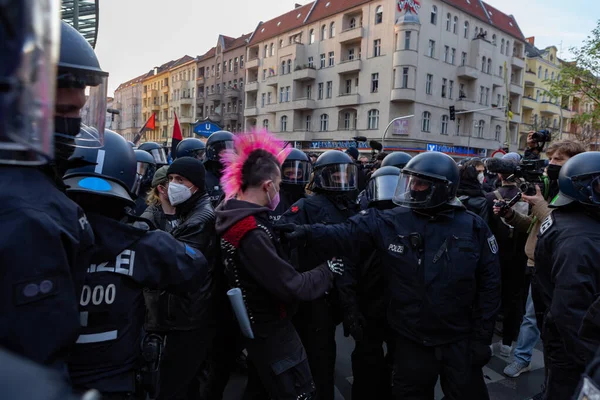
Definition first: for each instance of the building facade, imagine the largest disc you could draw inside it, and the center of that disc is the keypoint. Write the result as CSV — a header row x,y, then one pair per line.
x,y
128,100
332,70
220,83
182,100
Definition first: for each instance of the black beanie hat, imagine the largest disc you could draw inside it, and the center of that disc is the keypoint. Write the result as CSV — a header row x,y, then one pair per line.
x,y
190,168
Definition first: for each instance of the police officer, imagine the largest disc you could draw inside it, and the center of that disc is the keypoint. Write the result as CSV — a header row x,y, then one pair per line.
x,y
334,181
156,151
126,258
216,143
45,240
567,272
363,300
191,147
443,278
295,175
396,159
146,167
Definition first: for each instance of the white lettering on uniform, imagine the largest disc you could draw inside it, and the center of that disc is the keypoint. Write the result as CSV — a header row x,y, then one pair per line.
x,y
98,295
125,259
396,248
83,222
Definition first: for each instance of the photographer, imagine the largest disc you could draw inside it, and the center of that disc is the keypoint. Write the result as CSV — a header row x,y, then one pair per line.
x,y
558,154
470,191
535,144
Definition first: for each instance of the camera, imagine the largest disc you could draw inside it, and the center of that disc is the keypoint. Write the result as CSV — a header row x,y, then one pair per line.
x,y
527,174
542,136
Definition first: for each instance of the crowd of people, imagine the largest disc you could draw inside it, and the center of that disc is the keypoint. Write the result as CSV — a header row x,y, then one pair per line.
x,y
121,263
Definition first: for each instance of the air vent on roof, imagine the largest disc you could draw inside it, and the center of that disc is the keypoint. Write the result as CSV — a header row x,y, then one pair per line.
x,y
328,4
468,2
490,13
299,15
510,23
262,30
279,23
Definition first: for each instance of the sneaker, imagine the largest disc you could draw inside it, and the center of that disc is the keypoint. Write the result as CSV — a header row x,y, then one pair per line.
x,y
516,368
499,349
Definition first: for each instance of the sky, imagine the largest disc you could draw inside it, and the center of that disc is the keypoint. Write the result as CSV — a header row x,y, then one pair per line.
x,y
136,35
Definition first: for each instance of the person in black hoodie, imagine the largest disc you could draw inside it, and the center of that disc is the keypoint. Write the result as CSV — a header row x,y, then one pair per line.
x,y
255,263
470,191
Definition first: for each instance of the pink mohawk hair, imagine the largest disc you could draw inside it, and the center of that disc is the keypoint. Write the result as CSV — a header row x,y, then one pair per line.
x,y
234,160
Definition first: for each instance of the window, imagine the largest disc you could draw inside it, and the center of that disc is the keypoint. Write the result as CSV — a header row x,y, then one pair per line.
x,y
230,65
434,15
540,72
507,47
481,94
489,66
332,30
378,15
546,74
272,49
537,96
405,77
266,52
322,60
450,89
287,94
308,122
494,39
323,32
352,23
348,86
331,58
428,84
431,48
281,92
480,128
463,59
446,53
283,68
374,83
487,96
241,61
498,100
281,43
350,54
320,91
376,47
552,76
407,40
501,71
444,125
448,21
311,36
444,84
483,59
329,89
466,30
373,119
425,121
309,92
452,56
269,98
498,131
264,74
266,123
455,25
502,47
347,119
283,124
311,62
289,66
324,123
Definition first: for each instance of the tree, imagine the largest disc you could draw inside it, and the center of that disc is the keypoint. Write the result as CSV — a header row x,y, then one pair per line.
x,y
579,80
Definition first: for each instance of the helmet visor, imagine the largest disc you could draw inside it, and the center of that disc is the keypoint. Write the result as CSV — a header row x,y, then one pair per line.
x,y
382,188
338,177
296,172
214,150
198,154
589,185
30,44
159,156
419,192
142,177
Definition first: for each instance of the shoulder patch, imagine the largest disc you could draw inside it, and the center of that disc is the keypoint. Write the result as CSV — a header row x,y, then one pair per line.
x,y
237,232
546,224
363,212
295,209
190,252
493,244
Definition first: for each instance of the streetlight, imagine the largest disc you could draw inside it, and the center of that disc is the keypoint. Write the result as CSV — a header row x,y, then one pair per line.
x,y
388,127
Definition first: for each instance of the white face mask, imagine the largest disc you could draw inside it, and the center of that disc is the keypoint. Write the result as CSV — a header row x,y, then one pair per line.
x,y
178,193
481,177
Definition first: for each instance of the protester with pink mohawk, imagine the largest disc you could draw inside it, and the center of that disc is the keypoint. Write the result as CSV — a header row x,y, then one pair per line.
x,y
255,263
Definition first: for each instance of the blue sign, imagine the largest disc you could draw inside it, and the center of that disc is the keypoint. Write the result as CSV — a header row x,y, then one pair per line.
x,y
455,149
206,128
337,144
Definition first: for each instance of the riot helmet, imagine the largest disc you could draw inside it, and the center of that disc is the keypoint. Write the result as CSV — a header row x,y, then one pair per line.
x,y
335,171
382,185
296,168
146,167
156,151
396,159
191,147
131,144
110,171
429,180
80,95
29,45
218,142
579,180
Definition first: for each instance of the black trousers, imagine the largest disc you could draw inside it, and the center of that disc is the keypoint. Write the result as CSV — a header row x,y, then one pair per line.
x,y
513,297
316,322
417,368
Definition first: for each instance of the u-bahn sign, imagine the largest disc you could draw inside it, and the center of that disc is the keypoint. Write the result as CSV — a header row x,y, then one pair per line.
x,y
206,128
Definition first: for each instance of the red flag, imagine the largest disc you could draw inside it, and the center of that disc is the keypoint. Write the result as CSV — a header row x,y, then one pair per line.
x,y
177,138
149,125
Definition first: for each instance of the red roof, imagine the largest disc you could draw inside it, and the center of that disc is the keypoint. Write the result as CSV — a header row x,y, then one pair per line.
x,y
131,82
327,8
182,60
506,23
284,23
472,7
232,44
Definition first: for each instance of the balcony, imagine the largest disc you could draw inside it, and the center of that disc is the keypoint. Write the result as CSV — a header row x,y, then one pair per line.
x,y
349,66
403,95
164,105
186,120
200,80
517,62
164,89
231,116
346,100
405,57
251,111
215,97
186,101
566,113
465,105
305,104
467,72
351,35
549,108
271,80
253,63
497,81
529,103
154,107
305,74
480,46
151,93
516,88
232,93
182,85
295,50
251,86
215,117
200,100
299,135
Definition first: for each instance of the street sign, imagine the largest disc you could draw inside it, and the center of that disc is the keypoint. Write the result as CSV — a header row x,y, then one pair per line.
x,y
206,128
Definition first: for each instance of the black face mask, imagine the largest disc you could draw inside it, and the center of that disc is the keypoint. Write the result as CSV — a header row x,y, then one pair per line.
x,y
419,196
64,141
553,171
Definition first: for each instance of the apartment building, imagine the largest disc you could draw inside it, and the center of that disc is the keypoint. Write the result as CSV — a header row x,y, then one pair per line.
x,y
334,69
220,83
540,109
128,100
155,100
182,99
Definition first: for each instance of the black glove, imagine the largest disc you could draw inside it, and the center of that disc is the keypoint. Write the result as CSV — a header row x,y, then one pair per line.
x,y
336,266
293,232
481,353
354,323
